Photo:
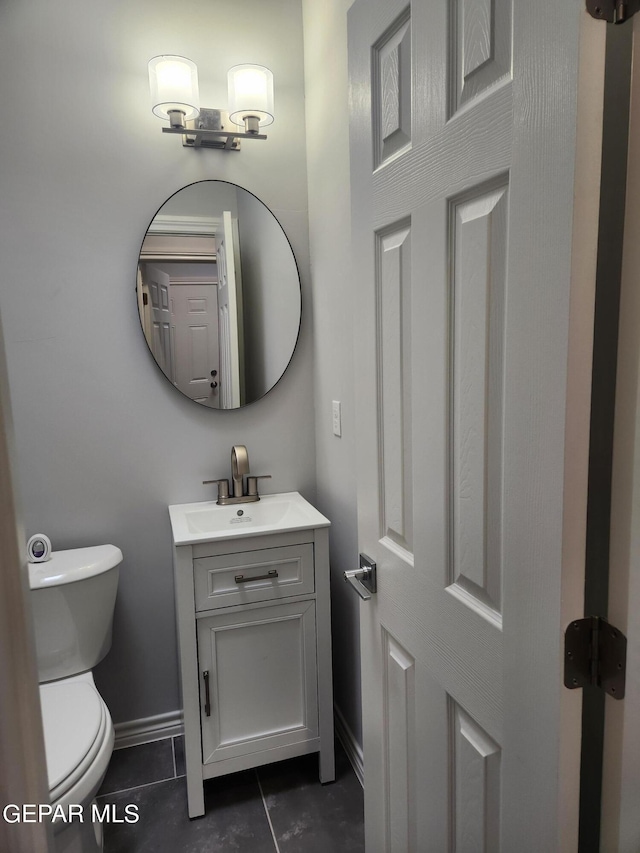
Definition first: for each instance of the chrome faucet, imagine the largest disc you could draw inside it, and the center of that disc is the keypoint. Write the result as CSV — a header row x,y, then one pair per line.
x,y
239,468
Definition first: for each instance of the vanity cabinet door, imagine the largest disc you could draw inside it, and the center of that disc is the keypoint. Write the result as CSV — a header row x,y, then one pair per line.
x,y
262,683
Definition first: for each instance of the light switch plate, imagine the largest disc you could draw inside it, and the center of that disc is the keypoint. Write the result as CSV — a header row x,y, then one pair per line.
x,y
337,417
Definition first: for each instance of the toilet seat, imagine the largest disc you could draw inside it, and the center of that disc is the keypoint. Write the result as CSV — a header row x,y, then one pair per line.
x,y
77,728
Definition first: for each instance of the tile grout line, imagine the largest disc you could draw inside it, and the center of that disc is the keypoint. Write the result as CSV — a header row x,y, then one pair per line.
x,y
266,811
138,787
173,753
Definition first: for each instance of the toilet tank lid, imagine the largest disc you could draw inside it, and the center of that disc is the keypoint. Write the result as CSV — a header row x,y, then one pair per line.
x,y
73,565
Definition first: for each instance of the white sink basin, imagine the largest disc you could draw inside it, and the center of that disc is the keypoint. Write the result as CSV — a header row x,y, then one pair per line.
x,y
206,521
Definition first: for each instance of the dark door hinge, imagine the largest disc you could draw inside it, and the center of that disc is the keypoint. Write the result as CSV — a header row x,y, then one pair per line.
x,y
613,11
595,653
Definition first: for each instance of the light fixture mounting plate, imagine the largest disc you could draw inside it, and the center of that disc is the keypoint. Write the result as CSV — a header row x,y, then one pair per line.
x,y
212,129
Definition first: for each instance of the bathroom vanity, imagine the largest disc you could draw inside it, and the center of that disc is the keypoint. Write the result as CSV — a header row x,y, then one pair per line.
x,y
253,618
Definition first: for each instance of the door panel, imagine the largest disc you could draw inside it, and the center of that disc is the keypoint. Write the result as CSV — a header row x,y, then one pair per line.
x,y
477,310
480,48
475,771
394,298
392,90
399,691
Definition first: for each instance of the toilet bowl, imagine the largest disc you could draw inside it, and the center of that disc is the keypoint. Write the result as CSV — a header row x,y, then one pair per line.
x,y
73,595
78,737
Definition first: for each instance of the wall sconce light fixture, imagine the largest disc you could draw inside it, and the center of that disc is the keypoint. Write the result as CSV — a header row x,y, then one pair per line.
x,y
173,81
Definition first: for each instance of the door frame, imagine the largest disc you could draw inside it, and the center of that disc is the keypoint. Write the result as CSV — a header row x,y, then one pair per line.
x,y
23,773
618,815
615,129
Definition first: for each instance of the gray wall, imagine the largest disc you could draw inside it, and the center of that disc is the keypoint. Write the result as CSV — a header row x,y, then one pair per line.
x,y
203,199
104,443
327,121
271,296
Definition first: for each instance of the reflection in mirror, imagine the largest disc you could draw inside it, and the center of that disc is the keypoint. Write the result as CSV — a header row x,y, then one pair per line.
x,y
218,294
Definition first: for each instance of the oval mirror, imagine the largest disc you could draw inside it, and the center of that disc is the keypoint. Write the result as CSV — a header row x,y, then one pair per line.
x,y
218,294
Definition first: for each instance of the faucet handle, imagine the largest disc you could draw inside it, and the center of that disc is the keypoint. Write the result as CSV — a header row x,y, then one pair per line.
x,y
223,487
252,483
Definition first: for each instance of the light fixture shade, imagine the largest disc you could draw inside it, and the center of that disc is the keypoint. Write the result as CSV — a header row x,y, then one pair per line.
x,y
173,81
250,93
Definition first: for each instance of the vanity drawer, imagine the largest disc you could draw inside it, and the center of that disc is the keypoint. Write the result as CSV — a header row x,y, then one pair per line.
x,y
273,573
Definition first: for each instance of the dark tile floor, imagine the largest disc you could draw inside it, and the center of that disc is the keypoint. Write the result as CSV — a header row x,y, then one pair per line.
x,y
279,808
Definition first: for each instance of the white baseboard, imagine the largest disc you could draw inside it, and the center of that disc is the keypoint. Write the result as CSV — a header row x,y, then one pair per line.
x,y
148,729
350,744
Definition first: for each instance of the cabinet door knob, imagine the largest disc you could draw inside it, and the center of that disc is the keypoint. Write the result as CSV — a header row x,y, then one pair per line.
x,y
207,698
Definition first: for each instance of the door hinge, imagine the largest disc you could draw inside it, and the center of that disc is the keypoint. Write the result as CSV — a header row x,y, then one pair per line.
x,y
613,11
595,653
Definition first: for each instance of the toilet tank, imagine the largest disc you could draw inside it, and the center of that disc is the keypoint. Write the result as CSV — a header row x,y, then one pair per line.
x,y
72,596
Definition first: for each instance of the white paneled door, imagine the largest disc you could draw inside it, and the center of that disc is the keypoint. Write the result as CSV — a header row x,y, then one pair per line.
x,y
195,318
161,343
473,337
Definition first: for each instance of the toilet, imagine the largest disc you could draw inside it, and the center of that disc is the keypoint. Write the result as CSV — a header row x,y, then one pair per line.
x,y
73,595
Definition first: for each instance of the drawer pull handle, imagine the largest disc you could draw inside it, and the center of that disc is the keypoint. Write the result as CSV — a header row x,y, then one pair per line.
x,y
207,698
272,573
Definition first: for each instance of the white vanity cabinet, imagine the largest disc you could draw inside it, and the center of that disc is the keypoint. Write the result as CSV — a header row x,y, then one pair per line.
x,y
253,618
